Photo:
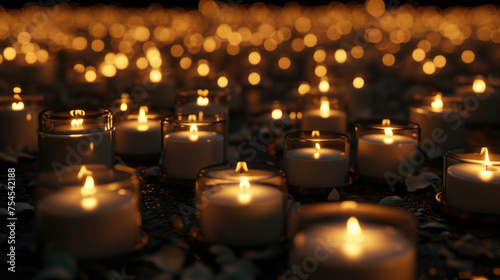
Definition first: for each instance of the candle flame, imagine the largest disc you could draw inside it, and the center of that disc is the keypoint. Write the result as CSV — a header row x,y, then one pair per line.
x,y
16,106
324,110
487,161
194,132
486,174
142,119
315,133
76,122
16,90
388,136
437,104
277,114
316,154
386,122
241,166
202,101
123,106
479,86
88,191
304,88
353,237
83,171
203,92
191,118
324,86
244,196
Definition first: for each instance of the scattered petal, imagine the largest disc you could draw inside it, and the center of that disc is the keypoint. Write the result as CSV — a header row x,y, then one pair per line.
x,y
197,271
392,200
169,259
224,254
414,183
21,206
434,225
334,195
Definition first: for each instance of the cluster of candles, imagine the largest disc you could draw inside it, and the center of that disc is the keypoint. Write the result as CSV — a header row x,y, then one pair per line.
x,y
82,194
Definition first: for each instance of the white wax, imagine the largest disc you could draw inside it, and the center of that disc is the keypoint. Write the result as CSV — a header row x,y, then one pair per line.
x,y
19,129
303,169
383,254
183,157
109,229
375,157
482,107
471,187
129,140
335,122
430,121
59,150
209,109
226,220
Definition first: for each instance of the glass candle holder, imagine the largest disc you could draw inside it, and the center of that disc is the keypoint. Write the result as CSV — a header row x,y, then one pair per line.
x,y
211,101
441,121
316,161
73,137
190,143
481,98
387,151
323,112
354,241
471,179
242,206
18,122
139,136
90,211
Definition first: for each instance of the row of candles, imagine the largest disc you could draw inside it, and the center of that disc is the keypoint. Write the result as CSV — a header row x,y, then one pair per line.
x,y
241,206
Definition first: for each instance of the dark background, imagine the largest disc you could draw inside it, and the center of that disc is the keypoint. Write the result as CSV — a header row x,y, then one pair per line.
x,y
193,4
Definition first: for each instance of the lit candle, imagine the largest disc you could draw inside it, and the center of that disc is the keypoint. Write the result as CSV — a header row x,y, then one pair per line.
x,y
19,123
316,167
441,126
325,119
75,137
474,184
381,153
242,214
481,100
202,104
138,137
87,222
186,152
354,251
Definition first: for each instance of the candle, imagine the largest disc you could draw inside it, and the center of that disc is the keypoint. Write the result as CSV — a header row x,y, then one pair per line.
x,y
186,152
204,105
242,214
316,167
217,175
435,120
354,251
138,137
89,223
481,101
474,185
378,153
19,124
324,118
75,139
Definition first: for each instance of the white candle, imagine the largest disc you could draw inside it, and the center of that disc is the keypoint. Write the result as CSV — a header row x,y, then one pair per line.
x,y
89,225
316,167
473,186
19,125
186,152
138,137
481,102
437,124
324,119
59,149
378,154
242,215
366,251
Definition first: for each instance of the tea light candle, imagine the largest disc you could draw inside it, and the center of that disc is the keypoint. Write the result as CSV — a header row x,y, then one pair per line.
x,y
316,167
138,137
481,101
438,120
324,119
378,154
186,152
19,124
242,214
88,223
366,251
474,185
74,140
